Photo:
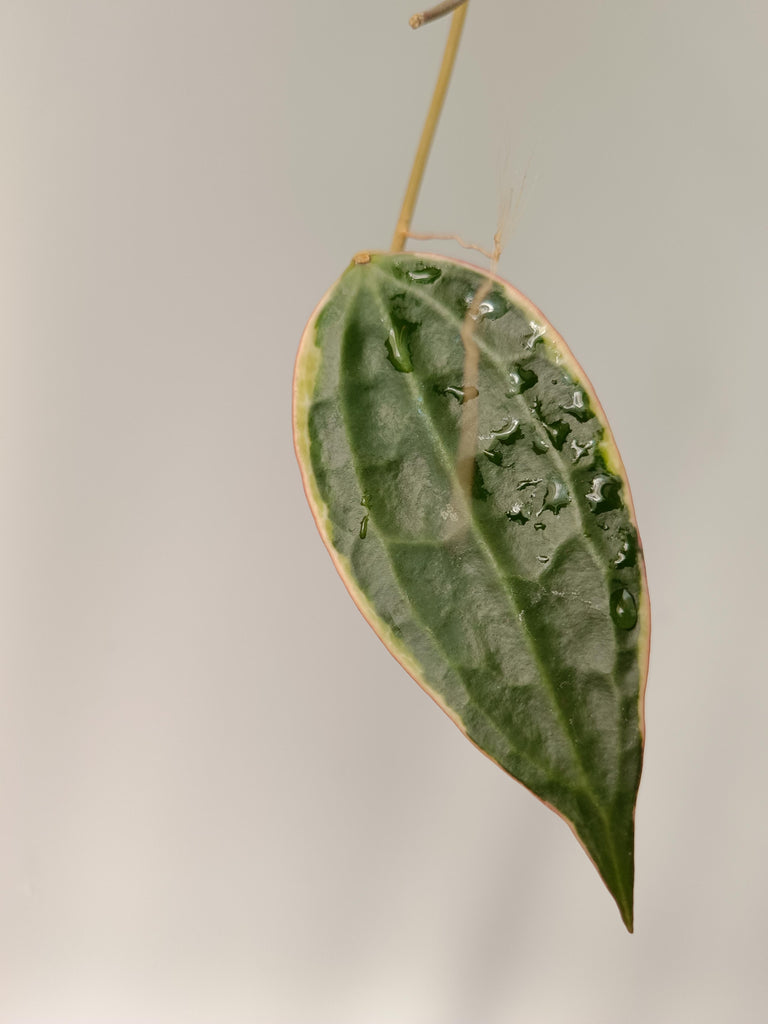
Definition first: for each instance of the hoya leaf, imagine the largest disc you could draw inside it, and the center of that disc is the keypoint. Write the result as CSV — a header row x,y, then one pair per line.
x,y
467,485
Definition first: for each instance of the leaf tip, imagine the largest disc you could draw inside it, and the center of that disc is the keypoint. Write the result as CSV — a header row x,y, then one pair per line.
x,y
627,916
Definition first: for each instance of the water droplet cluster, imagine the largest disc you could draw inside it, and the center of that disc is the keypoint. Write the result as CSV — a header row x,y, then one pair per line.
x,y
540,465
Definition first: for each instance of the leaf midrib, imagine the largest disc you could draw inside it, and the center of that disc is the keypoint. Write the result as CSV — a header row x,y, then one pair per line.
x,y
387,543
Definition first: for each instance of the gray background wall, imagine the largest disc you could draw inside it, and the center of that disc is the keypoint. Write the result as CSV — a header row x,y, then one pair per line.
x,y
220,798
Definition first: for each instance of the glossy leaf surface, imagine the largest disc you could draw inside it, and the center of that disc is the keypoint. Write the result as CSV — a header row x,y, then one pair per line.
x,y
467,485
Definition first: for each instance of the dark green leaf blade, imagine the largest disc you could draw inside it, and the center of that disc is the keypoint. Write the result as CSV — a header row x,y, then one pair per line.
x,y
515,594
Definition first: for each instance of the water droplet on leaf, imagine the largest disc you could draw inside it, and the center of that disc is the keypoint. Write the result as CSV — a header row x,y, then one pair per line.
x,y
623,608
508,433
517,515
536,334
557,497
580,450
627,556
604,495
579,406
423,273
398,352
520,380
495,455
558,431
491,307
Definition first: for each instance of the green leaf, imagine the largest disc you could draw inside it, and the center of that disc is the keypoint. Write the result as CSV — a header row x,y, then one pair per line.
x,y
468,488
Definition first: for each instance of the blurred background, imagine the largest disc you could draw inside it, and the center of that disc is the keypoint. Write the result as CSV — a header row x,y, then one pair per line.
x,y
220,798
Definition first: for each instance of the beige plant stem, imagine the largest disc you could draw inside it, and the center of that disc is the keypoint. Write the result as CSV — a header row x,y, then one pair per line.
x,y
434,12
428,132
